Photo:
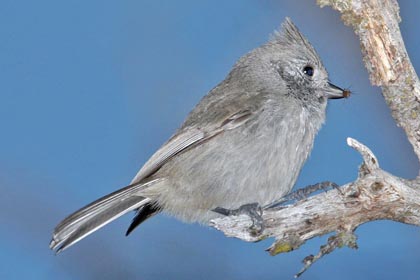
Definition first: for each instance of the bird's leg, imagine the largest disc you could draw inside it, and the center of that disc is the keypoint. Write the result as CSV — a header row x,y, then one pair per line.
x,y
302,193
253,210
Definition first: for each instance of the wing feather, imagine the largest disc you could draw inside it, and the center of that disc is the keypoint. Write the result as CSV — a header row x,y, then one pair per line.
x,y
175,145
186,138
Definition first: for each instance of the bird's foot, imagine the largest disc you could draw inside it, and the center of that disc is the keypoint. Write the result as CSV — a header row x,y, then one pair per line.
x,y
253,210
302,193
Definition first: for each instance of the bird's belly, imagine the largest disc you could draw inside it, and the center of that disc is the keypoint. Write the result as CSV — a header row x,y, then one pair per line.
x,y
233,169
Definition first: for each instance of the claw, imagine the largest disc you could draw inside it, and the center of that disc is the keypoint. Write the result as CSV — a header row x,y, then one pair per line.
x,y
253,210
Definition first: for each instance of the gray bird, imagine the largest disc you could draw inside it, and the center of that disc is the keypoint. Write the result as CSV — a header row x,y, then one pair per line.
x,y
245,142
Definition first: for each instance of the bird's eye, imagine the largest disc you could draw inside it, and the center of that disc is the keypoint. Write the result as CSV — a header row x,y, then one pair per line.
x,y
308,70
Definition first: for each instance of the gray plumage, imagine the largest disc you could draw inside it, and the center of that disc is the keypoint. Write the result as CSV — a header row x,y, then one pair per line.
x,y
245,142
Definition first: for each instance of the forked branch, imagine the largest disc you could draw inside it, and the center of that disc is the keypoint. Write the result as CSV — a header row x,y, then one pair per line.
x,y
375,195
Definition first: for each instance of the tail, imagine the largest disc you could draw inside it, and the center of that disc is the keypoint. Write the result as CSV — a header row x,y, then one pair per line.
x,y
97,214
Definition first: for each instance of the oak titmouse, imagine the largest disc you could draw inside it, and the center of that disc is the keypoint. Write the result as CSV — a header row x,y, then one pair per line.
x,y
244,142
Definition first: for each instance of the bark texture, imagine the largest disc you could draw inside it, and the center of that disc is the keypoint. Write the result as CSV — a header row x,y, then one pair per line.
x,y
386,59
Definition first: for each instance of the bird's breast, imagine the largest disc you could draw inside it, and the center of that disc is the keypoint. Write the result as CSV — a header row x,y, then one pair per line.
x,y
257,162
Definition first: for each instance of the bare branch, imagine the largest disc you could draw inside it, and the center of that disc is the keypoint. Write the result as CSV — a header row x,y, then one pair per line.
x,y
386,59
376,194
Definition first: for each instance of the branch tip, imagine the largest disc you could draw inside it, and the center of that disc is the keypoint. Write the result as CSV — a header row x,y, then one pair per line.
x,y
370,160
347,238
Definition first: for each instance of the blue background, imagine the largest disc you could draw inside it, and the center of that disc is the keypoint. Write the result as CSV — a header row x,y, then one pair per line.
x,y
90,89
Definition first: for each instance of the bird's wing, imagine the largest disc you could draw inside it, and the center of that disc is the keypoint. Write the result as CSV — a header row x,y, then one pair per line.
x,y
187,138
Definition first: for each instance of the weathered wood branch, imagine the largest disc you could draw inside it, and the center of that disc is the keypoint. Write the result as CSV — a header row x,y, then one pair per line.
x,y
376,194
386,59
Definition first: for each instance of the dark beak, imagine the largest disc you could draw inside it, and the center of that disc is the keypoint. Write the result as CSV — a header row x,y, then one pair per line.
x,y
335,92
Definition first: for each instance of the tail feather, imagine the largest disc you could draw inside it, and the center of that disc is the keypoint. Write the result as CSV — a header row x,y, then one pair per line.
x,y
101,219
96,215
147,211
